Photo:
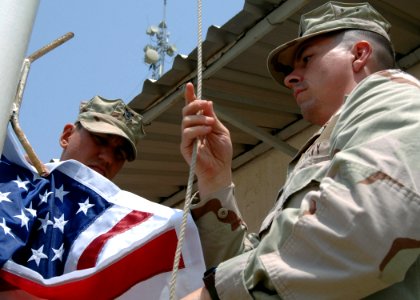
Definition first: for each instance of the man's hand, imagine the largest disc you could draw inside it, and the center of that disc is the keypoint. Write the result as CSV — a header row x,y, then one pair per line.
x,y
214,153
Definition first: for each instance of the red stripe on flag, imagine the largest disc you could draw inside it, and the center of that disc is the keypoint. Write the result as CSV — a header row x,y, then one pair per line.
x,y
153,258
5,286
90,254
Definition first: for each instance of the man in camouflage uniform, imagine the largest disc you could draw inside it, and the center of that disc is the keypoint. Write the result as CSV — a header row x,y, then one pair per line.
x,y
345,225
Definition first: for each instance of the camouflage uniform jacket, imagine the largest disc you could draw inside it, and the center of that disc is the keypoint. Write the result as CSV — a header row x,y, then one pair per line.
x,y
346,223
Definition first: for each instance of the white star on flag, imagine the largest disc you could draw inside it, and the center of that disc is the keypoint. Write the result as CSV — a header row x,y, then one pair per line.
x,y
60,223
44,198
60,193
31,210
58,253
5,228
3,197
37,255
84,207
23,219
45,222
20,183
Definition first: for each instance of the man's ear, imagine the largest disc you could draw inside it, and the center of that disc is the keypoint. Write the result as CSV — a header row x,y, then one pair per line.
x,y
362,51
65,135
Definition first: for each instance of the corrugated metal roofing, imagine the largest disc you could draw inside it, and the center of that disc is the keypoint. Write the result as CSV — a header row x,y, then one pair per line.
x,y
260,113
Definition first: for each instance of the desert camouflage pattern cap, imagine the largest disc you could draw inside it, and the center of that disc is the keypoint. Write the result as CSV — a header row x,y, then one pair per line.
x,y
100,115
331,16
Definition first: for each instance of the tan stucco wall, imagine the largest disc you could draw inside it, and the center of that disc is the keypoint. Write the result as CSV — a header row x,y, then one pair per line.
x,y
258,182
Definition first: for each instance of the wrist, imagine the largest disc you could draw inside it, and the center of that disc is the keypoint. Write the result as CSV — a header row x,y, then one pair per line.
x,y
213,185
209,280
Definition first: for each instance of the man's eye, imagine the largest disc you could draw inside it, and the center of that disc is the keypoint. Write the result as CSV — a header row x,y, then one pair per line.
x,y
99,140
306,58
120,155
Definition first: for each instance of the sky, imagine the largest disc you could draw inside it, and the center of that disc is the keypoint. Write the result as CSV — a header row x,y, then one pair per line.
x,y
105,57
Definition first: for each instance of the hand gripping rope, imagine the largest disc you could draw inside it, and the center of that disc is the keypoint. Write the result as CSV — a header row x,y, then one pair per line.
x,y
188,197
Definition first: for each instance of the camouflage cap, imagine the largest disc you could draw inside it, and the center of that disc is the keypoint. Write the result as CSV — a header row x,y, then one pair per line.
x,y
331,16
101,115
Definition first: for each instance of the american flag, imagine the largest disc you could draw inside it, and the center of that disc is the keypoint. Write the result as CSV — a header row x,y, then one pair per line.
x,y
74,234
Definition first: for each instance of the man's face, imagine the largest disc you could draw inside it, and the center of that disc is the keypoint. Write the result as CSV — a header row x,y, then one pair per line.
x,y
321,77
104,153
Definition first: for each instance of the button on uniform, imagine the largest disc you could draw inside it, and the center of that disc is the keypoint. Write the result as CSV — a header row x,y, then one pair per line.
x,y
222,213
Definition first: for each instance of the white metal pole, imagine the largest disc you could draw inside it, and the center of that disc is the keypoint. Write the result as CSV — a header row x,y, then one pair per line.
x,y
16,21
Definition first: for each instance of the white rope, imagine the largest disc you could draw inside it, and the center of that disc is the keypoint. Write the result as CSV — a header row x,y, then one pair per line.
x,y
188,197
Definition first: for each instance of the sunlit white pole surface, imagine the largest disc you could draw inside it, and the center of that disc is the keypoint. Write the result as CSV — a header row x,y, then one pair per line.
x,y
16,21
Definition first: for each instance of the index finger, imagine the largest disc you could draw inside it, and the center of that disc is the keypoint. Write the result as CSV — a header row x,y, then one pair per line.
x,y
189,93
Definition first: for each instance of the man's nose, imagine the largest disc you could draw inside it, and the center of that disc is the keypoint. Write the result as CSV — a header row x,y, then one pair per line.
x,y
292,79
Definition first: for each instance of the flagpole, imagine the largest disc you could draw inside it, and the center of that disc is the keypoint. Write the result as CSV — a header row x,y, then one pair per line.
x,y
16,22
